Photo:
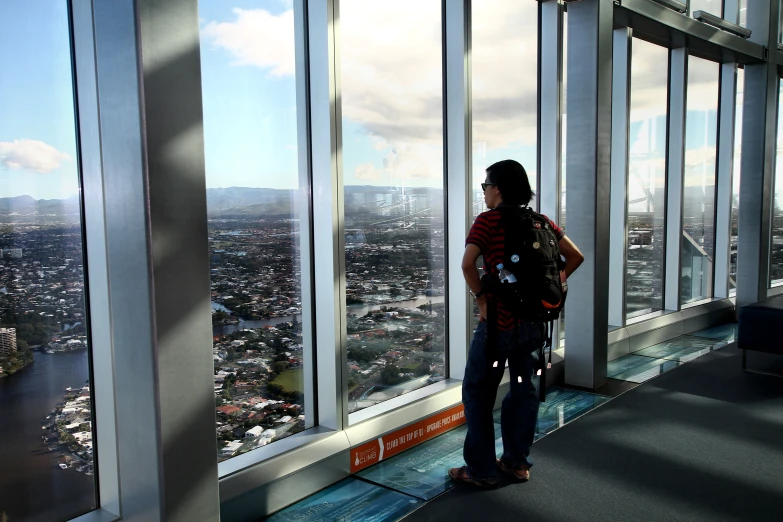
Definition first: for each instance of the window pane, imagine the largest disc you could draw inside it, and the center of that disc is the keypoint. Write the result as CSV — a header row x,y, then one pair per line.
x,y
46,429
698,238
714,7
505,99
776,253
736,169
646,178
249,98
392,109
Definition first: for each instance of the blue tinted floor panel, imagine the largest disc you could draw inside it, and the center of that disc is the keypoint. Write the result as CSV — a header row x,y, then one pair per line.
x,y
562,406
681,349
422,471
725,332
637,368
350,500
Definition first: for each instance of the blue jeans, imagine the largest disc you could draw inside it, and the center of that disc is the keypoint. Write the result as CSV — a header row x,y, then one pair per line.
x,y
519,412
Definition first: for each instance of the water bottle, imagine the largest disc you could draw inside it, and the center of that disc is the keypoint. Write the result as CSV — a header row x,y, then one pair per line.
x,y
504,275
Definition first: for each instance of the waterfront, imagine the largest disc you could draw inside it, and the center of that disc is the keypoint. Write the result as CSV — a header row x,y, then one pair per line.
x,y
32,486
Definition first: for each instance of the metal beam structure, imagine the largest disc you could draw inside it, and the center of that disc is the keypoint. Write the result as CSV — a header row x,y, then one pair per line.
x,y
759,144
588,163
147,62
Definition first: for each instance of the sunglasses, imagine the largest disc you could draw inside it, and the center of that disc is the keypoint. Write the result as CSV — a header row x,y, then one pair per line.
x,y
485,185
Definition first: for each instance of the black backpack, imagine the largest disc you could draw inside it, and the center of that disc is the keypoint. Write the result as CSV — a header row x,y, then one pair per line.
x,y
532,255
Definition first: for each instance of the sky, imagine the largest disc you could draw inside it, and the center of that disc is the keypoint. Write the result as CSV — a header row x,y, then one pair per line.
x,y
390,73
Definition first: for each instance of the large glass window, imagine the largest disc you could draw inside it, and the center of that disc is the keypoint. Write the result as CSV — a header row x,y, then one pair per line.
x,y
776,247
248,74
46,414
698,235
392,109
505,98
646,177
735,181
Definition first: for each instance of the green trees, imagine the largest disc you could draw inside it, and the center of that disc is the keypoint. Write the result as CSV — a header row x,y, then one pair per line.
x,y
390,375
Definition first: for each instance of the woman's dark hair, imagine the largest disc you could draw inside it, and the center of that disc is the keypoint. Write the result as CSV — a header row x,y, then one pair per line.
x,y
511,180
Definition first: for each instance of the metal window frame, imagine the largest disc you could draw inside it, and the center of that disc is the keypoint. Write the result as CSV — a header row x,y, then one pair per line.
x,y
724,184
105,450
675,175
618,220
550,116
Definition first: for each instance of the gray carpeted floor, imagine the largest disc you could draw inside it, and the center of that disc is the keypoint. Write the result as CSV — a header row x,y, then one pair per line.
x,y
702,442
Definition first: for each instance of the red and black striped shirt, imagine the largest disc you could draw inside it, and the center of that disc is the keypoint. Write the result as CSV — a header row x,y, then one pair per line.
x,y
489,236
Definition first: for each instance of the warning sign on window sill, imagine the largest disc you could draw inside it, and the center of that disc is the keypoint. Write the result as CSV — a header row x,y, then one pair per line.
x,y
405,438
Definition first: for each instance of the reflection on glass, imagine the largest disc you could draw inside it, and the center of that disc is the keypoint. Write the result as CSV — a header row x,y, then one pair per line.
x,y
251,158
646,178
394,201
46,416
776,248
714,7
698,235
735,183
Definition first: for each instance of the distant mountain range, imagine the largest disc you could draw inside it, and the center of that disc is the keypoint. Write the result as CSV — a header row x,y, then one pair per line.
x,y
239,202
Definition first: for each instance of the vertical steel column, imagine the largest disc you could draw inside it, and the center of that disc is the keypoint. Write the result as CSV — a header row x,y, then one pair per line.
x,y
149,93
588,149
551,89
728,93
759,126
675,175
621,103
328,225
457,152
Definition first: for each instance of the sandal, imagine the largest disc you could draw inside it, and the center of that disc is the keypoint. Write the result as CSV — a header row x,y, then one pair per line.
x,y
522,475
462,475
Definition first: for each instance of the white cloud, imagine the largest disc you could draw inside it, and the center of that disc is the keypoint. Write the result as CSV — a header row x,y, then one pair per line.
x,y
391,73
32,155
367,171
258,38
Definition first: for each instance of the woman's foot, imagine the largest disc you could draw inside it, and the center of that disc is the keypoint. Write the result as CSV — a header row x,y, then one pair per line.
x,y
522,474
462,475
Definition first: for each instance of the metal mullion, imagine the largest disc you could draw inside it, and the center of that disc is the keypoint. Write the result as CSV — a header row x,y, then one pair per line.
x,y
305,214
457,151
550,91
725,169
675,167
618,221
328,224
550,111
96,271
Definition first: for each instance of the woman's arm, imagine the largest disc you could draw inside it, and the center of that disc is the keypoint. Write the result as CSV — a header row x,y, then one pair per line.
x,y
572,255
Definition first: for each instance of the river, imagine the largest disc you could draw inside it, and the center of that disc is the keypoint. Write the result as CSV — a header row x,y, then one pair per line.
x,y
32,487
359,310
